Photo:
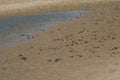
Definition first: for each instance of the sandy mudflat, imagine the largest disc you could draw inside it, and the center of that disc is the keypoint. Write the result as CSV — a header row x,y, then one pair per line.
x,y
86,48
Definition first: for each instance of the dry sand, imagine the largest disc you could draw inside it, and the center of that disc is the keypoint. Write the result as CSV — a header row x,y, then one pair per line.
x,y
86,48
27,7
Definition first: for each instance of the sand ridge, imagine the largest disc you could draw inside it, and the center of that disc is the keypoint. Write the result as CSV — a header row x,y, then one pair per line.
x,y
42,6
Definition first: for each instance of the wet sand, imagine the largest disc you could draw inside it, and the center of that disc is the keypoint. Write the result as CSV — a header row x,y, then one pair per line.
x,y
85,48
19,28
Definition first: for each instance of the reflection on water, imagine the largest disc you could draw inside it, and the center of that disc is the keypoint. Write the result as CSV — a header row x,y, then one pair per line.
x,y
12,28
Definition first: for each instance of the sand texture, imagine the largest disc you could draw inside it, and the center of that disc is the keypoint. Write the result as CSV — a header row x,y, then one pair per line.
x,y
27,7
85,48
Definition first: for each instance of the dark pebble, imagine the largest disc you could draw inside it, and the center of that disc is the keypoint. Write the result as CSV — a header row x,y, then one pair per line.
x,y
71,56
58,59
24,58
79,56
20,55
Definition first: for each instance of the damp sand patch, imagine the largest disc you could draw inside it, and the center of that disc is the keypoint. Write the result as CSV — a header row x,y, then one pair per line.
x,y
16,29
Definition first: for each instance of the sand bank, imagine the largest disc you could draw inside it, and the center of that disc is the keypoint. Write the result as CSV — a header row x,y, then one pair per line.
x,y
27,7
85,48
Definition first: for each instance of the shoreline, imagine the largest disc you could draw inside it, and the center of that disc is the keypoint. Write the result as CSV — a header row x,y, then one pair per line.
x,y
85,48
21,27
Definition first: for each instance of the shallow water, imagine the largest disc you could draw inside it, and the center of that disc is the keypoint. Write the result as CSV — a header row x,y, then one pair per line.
x,y
17,29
